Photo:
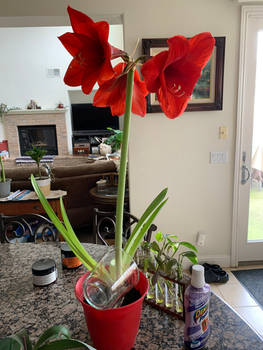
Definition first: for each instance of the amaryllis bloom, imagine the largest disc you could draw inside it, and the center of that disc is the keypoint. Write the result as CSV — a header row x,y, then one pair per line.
x,y
112,93
91,51
172,74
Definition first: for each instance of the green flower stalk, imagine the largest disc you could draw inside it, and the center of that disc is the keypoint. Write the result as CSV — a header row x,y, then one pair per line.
x,y
123,171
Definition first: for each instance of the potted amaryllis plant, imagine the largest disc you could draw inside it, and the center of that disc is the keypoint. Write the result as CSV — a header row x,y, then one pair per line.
x,y
172,75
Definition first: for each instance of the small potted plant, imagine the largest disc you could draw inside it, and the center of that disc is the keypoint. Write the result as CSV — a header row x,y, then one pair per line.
x,y
56,337
5,184
114,140
43,181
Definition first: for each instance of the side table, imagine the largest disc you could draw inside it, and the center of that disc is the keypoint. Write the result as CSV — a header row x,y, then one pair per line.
x,y
30,204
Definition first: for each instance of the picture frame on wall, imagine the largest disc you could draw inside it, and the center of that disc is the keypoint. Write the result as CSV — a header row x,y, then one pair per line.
x,y
208,92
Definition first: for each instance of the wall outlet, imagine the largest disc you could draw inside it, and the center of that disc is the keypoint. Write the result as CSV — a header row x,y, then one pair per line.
x,y
218,157
200,239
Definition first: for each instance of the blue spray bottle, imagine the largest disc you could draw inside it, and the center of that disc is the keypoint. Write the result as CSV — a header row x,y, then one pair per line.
x,y
196,303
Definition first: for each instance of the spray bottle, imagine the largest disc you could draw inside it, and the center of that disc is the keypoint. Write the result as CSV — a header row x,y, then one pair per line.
x,y
196,303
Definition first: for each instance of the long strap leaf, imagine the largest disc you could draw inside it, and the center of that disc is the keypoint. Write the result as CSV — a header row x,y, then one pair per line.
x,y
75,245
153,205
137,238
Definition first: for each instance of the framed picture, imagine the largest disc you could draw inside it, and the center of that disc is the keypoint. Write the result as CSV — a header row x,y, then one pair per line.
x,y
208,92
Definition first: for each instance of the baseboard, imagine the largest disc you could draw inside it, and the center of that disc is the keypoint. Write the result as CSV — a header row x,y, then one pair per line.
x,y
222,260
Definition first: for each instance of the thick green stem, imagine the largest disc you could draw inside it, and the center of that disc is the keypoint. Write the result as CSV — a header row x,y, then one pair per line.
x,y
122,172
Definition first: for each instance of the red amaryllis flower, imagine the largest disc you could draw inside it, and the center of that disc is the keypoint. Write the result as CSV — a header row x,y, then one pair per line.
x,y
91,51
173,74
113,92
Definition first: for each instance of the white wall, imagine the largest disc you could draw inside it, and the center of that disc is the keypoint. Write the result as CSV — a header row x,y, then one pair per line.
x,y
26,55
175,153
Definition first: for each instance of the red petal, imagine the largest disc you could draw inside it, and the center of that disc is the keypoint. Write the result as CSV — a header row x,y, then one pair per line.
x,y
89,79
74,74
171,105
201,47
178,49
102,29
72,42
151,71
81,23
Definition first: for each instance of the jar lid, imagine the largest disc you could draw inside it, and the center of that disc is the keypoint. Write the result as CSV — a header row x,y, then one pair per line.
x,y
43,267
66,250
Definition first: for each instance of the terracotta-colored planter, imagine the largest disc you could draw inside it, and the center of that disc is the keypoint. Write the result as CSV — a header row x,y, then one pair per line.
x,y
113,329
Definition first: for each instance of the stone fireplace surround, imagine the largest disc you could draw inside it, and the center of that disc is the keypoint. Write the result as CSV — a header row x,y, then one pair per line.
x,y
16,118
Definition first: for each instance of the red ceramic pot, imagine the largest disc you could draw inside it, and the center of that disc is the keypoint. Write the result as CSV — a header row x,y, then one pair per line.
x,y
113,329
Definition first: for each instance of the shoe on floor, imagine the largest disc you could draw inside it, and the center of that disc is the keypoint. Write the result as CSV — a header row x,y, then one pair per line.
x,y
214,273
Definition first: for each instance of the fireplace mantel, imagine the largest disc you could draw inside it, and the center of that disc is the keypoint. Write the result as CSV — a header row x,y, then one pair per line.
x,y
36,111
15,118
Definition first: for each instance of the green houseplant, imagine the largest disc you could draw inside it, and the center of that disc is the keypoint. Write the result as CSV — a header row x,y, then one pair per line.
x,y
161,258
114,140
172,75
37,153
54,338
5,184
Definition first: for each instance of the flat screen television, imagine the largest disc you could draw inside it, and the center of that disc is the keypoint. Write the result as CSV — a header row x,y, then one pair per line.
x,y
86,117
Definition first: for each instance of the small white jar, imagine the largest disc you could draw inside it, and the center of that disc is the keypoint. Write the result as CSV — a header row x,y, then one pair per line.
x,y
44,272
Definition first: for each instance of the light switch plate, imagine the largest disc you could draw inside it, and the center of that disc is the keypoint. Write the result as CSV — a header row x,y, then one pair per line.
x,y
218,157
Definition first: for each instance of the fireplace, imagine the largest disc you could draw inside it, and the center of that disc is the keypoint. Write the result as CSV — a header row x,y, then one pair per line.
x,y
38,119
43,136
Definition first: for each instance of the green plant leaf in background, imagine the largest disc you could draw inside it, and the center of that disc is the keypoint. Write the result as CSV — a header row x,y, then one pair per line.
x,y
191,256
52,333
54,338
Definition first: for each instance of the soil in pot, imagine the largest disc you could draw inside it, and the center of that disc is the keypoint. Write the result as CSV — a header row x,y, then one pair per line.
x,y
131,297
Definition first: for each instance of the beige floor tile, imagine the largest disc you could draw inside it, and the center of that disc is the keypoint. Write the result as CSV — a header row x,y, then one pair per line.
x,y
232,278
253,315
215,290
236,295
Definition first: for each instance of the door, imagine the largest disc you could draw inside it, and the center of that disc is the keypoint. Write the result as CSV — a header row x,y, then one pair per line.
x,y
248,193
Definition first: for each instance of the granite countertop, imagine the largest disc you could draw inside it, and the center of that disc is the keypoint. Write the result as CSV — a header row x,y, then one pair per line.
x,y
36,308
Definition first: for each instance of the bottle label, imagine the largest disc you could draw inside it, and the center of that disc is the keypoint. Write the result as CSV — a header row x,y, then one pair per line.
x,y
198,328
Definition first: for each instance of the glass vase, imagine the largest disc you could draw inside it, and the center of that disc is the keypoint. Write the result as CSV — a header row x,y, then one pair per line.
x,y
169,294
159,289
103,288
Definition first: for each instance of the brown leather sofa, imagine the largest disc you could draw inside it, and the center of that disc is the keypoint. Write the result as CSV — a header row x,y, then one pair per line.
x,y
77,178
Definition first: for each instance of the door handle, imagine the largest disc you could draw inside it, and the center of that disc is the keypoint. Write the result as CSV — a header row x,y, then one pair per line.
x,y
245,175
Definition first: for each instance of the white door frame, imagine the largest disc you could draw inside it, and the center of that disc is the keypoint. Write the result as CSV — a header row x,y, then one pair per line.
x,y
246,13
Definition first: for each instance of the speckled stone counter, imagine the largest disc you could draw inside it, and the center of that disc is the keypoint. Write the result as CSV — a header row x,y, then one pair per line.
x,y
36,308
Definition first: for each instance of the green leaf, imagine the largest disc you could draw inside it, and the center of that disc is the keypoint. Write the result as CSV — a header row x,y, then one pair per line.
x,y
52,333
69,236
65,344
155,247
10,344
191,256
169,265
132,243
159,237
189,245
24,338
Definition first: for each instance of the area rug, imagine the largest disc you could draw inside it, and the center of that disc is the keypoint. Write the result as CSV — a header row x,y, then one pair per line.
x,y
252,280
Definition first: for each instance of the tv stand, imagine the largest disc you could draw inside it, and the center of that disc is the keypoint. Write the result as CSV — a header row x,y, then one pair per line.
x,y
88,138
